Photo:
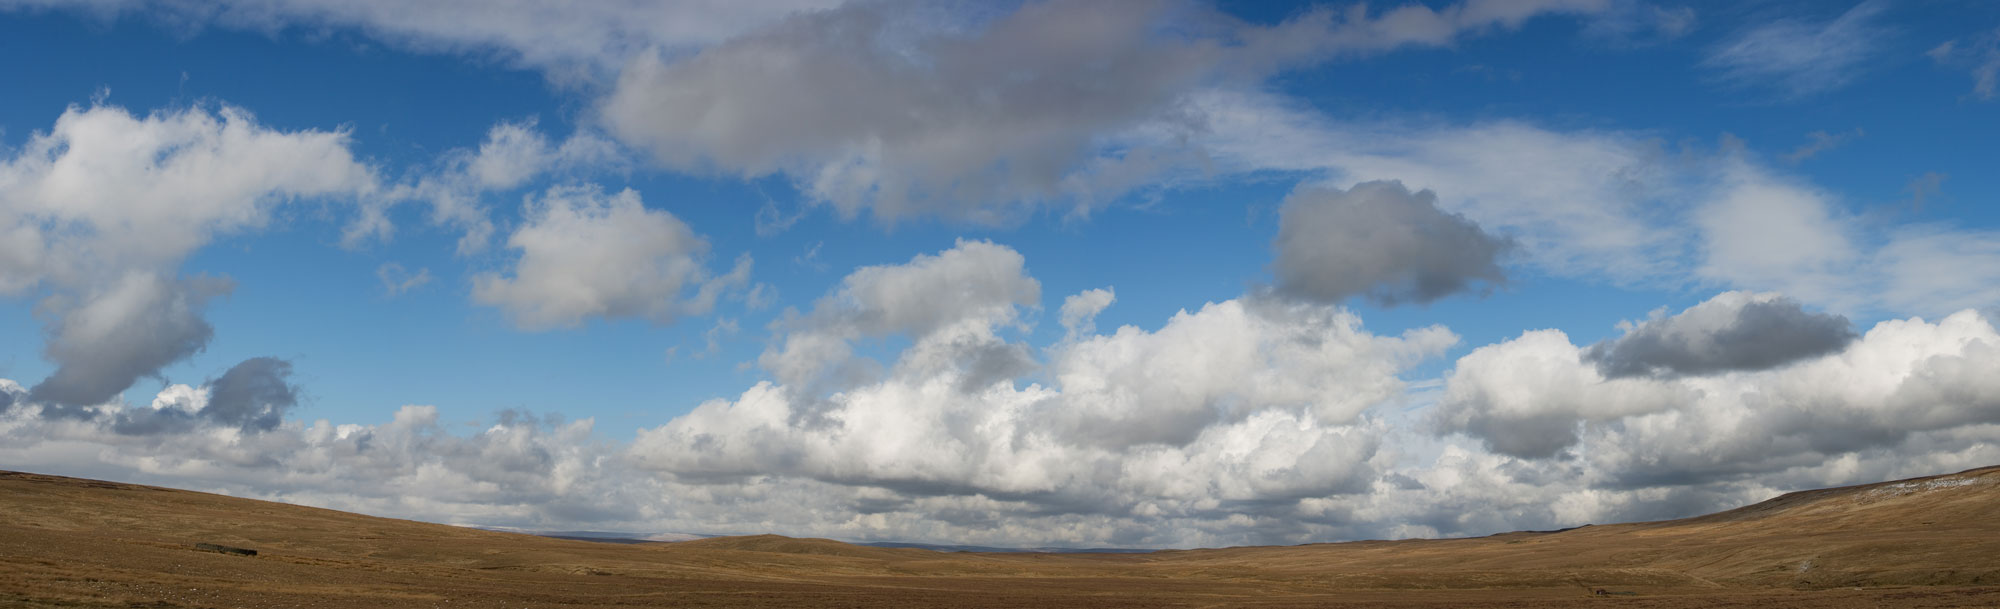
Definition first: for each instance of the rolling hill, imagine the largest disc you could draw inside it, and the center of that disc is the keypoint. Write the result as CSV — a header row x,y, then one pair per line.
x,y
66,542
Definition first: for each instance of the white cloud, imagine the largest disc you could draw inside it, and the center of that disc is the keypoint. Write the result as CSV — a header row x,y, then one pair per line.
x,y
1079,311
1241,401
512,155
1243,421
520,471
961,293
1538,395
516,152
586,254
1246,421
104,192
100,210
1765,231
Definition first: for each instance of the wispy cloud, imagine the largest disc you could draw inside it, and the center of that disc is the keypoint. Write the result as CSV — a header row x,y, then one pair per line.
x,y
1981,55
1818,142
1800,58
397,280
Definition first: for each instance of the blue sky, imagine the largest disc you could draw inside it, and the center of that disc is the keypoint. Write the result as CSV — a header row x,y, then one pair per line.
x,y
842,207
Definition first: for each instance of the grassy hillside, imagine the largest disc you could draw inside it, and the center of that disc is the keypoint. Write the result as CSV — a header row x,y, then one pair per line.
x,y
1928,542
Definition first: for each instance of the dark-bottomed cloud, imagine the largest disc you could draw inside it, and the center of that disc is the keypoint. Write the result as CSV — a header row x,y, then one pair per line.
x,y
1381,241
252,396
1736,331
131,329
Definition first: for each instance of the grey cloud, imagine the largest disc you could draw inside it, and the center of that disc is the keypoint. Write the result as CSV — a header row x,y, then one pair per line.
x,y
1383,242
129,330
898,115
1537,436
252,395
151,422
1733,332
866,118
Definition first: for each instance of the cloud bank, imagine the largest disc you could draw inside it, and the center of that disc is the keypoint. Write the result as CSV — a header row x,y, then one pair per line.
x,y
1250,420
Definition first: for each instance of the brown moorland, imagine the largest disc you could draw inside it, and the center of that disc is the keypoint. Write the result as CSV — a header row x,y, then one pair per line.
x,y
66,542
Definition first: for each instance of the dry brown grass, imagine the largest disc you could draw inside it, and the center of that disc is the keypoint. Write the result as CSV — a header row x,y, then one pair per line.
x,y
67,542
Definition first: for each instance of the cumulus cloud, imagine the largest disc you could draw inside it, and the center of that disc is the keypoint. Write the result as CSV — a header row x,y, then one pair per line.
x,y
532,472
1079,311
1539,395
1246,421
1734,331
132,329
1250,420
104,192
100,210
1381,241
455,189
585,254
951,301
1527,396
900,115
1802,58
252,396
1244,401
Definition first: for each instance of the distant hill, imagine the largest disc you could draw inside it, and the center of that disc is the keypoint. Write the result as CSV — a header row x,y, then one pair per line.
x,y
615,537
67,542
990,549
